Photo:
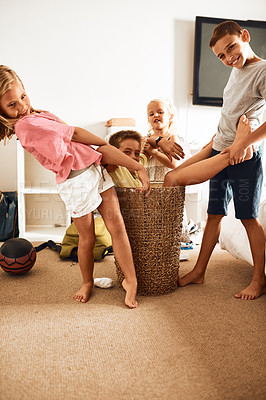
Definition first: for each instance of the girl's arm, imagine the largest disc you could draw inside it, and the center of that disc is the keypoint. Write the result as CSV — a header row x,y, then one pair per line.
x,y
111,155
161,157
170,149
83,136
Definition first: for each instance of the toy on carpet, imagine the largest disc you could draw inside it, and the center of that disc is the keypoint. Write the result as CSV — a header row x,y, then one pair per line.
x,y
103,283
17,256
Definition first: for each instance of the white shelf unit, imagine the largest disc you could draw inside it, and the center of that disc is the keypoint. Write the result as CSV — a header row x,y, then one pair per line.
x,y
119,124
41,212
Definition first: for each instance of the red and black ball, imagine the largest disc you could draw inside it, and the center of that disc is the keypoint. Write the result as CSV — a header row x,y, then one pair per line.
x,y
17,256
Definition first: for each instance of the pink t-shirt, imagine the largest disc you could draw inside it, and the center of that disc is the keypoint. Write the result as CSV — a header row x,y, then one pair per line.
x,y
48,139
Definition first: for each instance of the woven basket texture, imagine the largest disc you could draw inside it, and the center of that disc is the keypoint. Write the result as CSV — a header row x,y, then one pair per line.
x,y
154,226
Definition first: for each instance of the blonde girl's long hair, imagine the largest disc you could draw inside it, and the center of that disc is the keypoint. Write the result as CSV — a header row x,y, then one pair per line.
x,y
172,110
7,77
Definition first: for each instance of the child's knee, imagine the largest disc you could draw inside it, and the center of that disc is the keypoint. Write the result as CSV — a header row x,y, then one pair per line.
x,y
215,218
116,225
86,241
171,179
249,223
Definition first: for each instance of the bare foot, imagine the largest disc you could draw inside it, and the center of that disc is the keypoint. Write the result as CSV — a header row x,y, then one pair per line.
x,y
192,277
252,292
131,291
84,292
244,129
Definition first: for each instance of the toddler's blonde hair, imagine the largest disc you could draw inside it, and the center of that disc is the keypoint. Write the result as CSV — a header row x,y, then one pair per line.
x,y
172,110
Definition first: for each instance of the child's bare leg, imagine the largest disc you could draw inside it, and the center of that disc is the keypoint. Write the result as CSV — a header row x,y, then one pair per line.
x,y
244,129
85,226
110,211
203,154
209,240
257,286
197,171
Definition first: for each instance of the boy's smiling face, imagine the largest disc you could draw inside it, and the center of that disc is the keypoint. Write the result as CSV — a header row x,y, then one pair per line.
x,y
131,148
234,51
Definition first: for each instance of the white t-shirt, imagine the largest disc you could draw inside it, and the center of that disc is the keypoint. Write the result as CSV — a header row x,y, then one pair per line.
x,y
245,93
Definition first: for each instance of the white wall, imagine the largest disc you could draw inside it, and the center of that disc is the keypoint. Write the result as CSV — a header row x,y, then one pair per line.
x,y
91,60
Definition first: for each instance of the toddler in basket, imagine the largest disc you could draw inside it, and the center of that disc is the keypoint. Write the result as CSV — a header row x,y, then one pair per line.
x,y
162,119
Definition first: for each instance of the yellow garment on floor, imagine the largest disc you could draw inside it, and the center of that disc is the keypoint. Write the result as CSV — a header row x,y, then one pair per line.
x,y
71,240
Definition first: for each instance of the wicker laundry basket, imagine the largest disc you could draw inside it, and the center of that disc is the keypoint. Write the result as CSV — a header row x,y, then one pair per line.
x,y
154,225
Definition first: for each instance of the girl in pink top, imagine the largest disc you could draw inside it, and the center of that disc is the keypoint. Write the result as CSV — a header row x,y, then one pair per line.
x,y
82,182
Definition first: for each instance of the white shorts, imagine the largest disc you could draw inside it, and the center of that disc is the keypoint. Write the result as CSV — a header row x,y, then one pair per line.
x,y
81,194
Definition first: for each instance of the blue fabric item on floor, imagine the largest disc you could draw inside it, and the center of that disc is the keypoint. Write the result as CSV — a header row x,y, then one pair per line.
x,y
186,246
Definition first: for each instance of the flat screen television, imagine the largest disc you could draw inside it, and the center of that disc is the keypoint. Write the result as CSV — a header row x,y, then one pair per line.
x,y
210,74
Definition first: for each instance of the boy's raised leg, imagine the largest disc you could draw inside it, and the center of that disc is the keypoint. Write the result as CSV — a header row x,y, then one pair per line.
x,y
110,211
196,169
201,167
243,129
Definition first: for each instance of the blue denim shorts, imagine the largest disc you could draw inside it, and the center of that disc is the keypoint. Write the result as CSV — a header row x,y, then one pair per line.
x,y
242,182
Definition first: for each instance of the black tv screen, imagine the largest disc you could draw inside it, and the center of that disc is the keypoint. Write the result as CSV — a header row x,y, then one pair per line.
x,y
210,74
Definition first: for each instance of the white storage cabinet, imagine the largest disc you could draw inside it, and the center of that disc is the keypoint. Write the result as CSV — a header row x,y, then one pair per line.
x,y
41,212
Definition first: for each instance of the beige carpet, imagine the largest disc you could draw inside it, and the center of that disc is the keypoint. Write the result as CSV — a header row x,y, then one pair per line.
x,y
195,343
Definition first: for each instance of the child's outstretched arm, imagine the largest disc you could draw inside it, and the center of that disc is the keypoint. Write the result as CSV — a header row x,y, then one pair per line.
x,y
83,136
111,155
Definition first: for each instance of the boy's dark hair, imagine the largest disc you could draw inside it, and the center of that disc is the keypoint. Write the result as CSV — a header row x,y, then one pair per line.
x,y
224,28
117,138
